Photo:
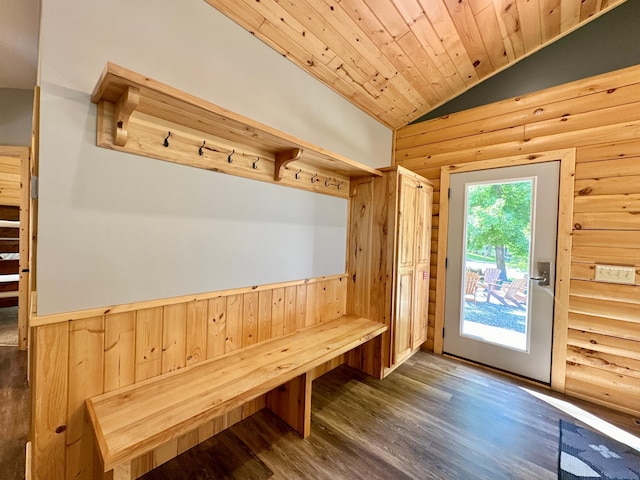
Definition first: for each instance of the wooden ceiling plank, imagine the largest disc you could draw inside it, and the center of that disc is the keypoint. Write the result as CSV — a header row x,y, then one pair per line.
x,y
469,33
414,15
529,14
509,21
387,76
430,41
295,32
377,32
569,14
386,12
491,36
423,63
479,5
243,16
320,25
550,19
442,23
589,8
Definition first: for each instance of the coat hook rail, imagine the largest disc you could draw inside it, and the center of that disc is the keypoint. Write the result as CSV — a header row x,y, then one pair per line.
x,y
166,139
328,183
315,178
201,149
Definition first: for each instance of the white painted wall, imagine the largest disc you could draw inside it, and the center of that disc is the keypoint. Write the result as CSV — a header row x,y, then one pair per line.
x,y
116,228
16,107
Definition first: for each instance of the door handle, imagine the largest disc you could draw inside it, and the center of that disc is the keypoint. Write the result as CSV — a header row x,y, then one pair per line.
x,y
544,270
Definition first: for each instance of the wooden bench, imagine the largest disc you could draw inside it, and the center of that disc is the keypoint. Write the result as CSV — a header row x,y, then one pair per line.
x,y
134,420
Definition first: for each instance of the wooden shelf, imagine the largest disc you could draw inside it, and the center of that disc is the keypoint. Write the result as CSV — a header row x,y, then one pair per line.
x,y
139,115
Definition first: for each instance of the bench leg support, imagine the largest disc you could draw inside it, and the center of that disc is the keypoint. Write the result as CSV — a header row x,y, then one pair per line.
x,y
120,472
292,403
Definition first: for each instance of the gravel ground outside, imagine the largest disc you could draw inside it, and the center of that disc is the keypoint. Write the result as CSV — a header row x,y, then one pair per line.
x,y
501,316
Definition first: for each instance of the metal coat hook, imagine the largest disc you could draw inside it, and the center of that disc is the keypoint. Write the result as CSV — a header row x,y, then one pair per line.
x,y
229,158
298,174
255,164
337,185
166,139
201,149
313,179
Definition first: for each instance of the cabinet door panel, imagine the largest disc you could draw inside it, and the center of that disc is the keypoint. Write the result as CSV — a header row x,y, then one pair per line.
x,y
423,252
404,311
407,221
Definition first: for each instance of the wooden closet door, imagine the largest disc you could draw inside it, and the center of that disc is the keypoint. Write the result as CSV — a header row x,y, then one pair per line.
x,y
405,279
423,261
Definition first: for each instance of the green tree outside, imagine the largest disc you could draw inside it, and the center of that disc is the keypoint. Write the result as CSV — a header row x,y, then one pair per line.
x,y
499,215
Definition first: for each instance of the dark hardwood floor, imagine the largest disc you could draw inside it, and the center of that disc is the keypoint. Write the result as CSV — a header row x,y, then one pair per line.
x,y
14,412
434,418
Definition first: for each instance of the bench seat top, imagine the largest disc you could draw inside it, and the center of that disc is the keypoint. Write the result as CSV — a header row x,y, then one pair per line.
x,y
133,420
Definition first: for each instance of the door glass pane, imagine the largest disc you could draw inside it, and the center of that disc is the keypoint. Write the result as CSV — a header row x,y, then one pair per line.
x,y
497,253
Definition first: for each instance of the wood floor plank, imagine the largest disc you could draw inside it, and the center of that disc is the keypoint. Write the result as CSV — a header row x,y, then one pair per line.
x,y
433,418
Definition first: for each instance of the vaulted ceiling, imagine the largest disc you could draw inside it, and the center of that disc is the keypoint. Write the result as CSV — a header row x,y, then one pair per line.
x,y
400,59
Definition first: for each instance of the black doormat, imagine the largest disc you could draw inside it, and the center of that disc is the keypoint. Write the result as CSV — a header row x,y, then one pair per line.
x,y
587,455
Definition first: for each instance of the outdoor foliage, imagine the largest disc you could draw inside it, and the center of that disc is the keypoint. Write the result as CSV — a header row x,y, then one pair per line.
x,y
499,215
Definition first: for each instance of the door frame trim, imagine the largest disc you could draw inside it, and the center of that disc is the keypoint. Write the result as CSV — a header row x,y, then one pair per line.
x,y
567,158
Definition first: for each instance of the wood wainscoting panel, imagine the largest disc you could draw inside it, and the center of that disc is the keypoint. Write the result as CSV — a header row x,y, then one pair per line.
x,y
599,118
82,354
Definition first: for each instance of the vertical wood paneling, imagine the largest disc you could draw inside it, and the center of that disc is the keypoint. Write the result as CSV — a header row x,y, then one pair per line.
x,y
148,343
250,319
86,363
233,339
277,312
217,326
49,408
311,304
265,299
196,336
174,337
119,350
75,360
301,306
289,324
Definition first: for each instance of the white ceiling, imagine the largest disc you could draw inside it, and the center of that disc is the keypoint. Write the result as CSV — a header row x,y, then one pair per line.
x,y
19,22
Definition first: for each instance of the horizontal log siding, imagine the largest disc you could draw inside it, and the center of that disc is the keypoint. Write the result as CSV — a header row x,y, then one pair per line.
x,y
600,117
83,357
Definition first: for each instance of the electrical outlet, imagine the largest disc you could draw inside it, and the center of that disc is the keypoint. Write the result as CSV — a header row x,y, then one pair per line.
x,y
615,274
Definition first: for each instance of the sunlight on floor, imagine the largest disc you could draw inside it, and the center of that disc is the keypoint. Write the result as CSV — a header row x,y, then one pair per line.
x,y
589,419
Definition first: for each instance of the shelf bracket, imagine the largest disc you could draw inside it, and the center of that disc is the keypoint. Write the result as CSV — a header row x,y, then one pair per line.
x,y
283,159
125,106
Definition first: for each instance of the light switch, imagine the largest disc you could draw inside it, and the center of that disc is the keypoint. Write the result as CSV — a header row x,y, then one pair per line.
x,y
615,274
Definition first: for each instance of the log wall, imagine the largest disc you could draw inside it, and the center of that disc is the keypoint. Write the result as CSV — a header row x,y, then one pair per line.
x,y
600,118
81,354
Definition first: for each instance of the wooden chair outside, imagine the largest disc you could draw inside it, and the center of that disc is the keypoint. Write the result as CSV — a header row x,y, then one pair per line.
x,y
471,285
512,294
490,280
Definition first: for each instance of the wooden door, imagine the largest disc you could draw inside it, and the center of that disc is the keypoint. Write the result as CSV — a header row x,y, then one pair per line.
x,y
424,193
405,274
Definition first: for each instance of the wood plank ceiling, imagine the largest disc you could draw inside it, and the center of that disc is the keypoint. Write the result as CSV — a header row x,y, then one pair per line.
x,y
400,59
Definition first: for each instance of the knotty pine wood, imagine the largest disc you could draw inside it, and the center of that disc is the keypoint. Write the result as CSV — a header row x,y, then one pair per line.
x,y
129,423
389,263
138,342
168,124
434,417
581,115
397,60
